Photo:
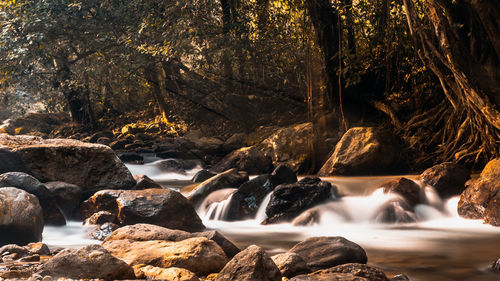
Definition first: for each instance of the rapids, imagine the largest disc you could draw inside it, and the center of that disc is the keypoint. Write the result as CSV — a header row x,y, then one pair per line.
x,y
439,246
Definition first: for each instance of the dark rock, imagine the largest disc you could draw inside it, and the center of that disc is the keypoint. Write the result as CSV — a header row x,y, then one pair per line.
x,y
209,145
290,200
100,217
131,157
51,213
326,252
175,165
13,249
236,141
247,199
11,162
119,144
103,134
481,198
202,176
447,178
229,179
395,211
144,182
408,189
21,221
495,267
346,272
283,174
104,141
290,264
364,150
89,262
178,154
68,196
162,207
249,159
103,231
251,264
400,277
91,166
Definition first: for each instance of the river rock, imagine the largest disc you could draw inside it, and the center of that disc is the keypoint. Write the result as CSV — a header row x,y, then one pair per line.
x,y
145,182
11,162
104,230
199,255
38,248
407,189
247,199
234,142
88,262
364,150
131,157
290,200
146,232
283,174
249,159
325,252
395,211
481,198
290,264
171,274
289,146
447,178
202,176
14,249
495,266
68,196
100,217
228,179
51,213
346,272
251,264
209,145
162,207
21,221
91,166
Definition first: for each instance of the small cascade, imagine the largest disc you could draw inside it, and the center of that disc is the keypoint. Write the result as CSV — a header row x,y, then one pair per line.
x,y
261,212
155,171
218,210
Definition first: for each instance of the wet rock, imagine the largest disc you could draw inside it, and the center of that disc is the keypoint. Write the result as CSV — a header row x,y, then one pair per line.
x,y
248,159
144,182
100,217
51,213
147,232
103,231
88,262
21,221
290,264
33,258
481,198
400,277
289,146
283,174
251,264
13,249
119,144
247,199
199,255
162,207
228,179
209,145
234,142
202,176
131,157
104,141
38,248
408,189
175,165
447,178
325,252
171,274
11,162
91,166
395,211
290,200
364,150
216,197
346,272
495,267
68,196
307,218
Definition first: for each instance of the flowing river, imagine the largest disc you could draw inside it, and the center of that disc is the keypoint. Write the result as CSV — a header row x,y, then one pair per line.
x,y
439,246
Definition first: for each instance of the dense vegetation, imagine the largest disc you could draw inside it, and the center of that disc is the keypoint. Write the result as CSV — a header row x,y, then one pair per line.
x,y
429,70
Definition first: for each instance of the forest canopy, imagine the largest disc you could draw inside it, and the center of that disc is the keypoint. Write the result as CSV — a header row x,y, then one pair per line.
x,y
428,70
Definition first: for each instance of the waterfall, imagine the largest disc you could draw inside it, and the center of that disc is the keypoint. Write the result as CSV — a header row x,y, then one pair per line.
x,y
218,210
261,212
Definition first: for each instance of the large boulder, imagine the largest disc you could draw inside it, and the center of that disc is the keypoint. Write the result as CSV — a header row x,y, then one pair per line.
x,y
289,146
290,200
290,264
247,199
447,178
11,162
150,272
346,272
251,264
68,196
91,166
199,255
364,150
161,207
51,213
406,188
481,198
21,219
145,182
248,159
88,262
147,232
228,179
325,252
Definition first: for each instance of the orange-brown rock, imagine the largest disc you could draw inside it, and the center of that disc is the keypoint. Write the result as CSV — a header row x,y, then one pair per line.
x,y
171,274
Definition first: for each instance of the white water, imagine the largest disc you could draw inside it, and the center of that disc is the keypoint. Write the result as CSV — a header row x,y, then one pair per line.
x,y
155,172
74,234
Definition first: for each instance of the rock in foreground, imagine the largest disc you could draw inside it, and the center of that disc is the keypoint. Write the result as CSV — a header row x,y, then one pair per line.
x,y
447,178
346,272
21,218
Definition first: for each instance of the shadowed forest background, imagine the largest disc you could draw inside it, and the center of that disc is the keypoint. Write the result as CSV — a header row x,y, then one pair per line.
x,y
426,70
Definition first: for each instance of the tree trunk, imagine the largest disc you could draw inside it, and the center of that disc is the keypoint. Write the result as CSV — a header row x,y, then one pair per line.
x,y
227,26
154,76
459,42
